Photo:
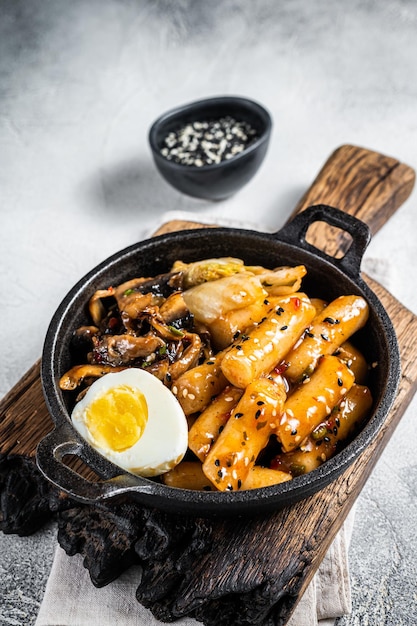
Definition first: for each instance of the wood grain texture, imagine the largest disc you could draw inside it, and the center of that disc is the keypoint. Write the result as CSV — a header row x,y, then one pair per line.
x,y
363,183
234,572
24,406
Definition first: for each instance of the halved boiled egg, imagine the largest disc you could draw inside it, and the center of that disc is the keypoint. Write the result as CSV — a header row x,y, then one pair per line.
x,y
132,419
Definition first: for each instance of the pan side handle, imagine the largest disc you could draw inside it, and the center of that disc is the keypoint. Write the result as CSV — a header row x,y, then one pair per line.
x,y
361,182
295,232
50,458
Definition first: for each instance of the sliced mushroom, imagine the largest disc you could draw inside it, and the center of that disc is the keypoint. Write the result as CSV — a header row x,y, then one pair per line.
x,y
133,306
160,369
77,374
173,308
189,357
95,305
161,286
124,349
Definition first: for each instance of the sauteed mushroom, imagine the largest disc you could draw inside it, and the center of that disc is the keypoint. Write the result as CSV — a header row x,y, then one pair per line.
x,y
119,350
77,374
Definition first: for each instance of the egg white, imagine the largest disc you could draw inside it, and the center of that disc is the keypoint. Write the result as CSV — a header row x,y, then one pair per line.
x,y
165,438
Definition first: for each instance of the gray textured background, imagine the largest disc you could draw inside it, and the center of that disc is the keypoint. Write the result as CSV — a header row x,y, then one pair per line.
x,y
80,84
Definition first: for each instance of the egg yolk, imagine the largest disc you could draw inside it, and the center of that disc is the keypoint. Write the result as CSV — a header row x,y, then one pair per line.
x,y
117,418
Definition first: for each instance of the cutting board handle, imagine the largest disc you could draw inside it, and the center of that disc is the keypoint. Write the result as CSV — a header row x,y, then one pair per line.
x,y
361,182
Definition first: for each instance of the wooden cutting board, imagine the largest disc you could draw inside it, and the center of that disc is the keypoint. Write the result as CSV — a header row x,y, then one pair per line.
x,y
232,572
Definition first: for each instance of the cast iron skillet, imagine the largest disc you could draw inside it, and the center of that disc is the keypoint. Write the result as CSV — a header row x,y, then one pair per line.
x,y
327,277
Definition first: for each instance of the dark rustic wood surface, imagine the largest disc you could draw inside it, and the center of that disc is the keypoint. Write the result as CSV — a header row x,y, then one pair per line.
x,y
234,572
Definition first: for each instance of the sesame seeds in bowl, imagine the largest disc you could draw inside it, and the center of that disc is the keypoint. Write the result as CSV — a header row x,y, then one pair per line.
x,y
208,142
211,148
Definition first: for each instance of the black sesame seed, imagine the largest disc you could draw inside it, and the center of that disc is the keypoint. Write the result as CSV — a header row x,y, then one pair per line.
x,y
238,347
283,327
217,462
237,415
239,483
334,430
294,432
309,334
324,337
337,420
258,414
340,382
221,428
260,402
326,439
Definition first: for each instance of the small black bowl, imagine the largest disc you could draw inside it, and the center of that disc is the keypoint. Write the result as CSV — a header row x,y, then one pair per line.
x,y
215,181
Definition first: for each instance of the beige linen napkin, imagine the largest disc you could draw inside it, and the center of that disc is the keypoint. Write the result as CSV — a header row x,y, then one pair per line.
x,y
71,599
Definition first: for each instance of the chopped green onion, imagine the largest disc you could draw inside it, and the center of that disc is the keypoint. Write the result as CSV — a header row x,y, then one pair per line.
x,y
176,331
297,469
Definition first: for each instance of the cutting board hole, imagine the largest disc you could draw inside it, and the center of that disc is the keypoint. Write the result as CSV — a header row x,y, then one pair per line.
x,y
337,240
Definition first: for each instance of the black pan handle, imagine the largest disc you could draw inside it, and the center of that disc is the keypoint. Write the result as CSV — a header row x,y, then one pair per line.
x,y
294,232
50,455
